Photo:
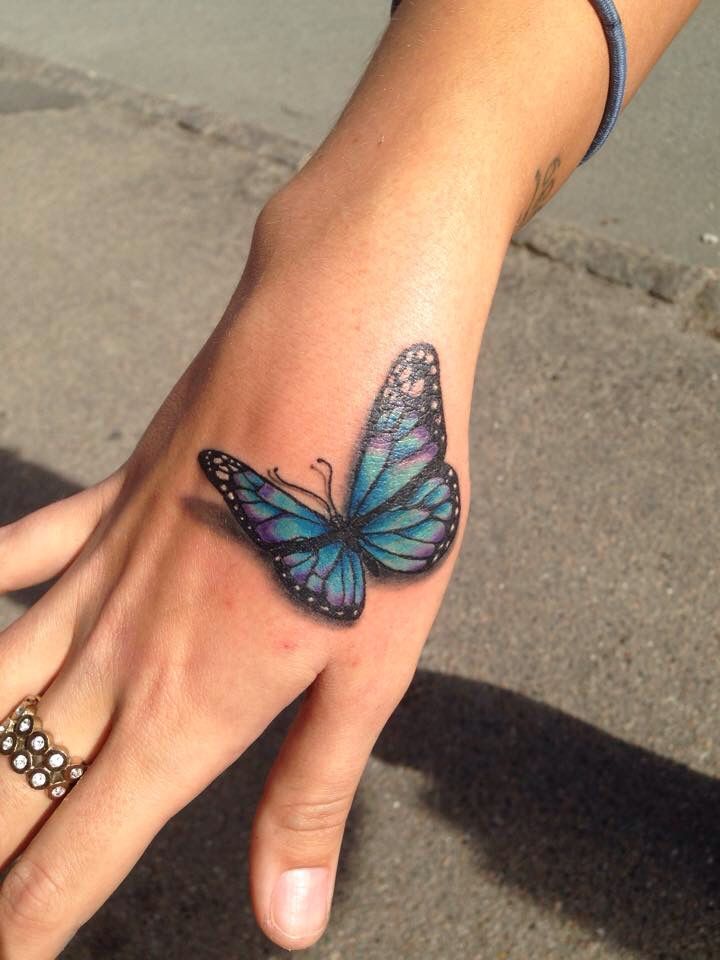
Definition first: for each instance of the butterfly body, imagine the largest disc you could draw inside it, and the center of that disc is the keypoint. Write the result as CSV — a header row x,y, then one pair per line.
x,y
402,510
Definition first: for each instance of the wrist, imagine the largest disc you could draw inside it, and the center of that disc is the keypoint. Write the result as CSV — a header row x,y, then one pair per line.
x,y
380,250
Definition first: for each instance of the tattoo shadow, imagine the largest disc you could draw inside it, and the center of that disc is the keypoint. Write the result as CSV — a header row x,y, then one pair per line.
x,y
612,835
215,516
219,519
25,487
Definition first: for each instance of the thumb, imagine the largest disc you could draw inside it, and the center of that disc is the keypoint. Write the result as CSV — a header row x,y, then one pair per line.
x,y
301,818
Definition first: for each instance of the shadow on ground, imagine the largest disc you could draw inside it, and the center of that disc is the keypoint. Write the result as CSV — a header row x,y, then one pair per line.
x,y
611,835
621,839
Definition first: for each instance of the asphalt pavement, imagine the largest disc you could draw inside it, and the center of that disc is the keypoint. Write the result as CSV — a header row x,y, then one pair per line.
x,y
549,787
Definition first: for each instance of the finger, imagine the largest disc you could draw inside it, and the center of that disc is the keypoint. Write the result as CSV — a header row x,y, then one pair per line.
x,y
74,714
33,647
82,852
300,822
40,545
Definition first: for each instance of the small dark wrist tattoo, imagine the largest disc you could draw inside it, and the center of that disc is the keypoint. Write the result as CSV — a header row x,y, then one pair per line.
x,y
401,515
544,186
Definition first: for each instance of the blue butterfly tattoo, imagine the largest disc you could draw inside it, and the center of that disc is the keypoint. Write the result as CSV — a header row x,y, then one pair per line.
x,y
402,512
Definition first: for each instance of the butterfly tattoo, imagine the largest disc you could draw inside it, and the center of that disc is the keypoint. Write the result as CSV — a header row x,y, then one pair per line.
x,y
401,514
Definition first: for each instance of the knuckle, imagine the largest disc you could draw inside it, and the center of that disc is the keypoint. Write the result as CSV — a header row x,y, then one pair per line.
x,y
313,818
31,898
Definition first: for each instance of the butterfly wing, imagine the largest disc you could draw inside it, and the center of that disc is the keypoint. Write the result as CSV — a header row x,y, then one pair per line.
x,y
328,578
404,500
308,553
412,537
268,515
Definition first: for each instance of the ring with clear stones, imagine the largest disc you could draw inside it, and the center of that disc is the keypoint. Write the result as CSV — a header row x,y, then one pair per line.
x,y
32,753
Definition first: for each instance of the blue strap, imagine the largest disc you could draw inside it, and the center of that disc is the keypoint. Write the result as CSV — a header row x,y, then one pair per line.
x,y
617,50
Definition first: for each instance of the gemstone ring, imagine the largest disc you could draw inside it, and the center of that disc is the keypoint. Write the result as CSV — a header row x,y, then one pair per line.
x,y
31,752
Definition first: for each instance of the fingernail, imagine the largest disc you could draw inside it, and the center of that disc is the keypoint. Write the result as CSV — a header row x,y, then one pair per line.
x,y
300,902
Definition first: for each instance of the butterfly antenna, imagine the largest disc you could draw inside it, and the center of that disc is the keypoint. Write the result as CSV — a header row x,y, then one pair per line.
x,y
328,483
274,474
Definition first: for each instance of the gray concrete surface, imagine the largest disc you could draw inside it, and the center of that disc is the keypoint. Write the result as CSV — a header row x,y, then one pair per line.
x,y
549,788
288,68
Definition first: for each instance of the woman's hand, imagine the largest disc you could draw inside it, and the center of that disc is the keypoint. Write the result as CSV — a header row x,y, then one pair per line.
x,y
167,645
